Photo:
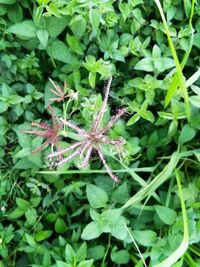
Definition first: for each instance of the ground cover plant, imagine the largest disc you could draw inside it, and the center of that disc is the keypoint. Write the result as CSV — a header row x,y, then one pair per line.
x,y
99,133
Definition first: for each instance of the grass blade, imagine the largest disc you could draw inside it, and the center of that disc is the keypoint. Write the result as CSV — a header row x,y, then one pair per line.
x,y
180,78
174,83
193,78
179,252
134,242
155,183
147,169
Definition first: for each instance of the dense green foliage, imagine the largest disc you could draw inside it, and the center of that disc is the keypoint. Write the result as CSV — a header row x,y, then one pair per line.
x,y
77,217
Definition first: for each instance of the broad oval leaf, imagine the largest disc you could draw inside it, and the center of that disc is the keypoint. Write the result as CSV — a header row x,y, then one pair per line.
x,y
58,50
15,13
43,37
60,226
166,215
120,257
56,26
187,134
145,64
91,231
70,255
24,30
145,237
96,196
42,235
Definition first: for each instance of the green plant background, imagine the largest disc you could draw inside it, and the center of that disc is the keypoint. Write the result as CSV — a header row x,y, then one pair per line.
x,y
79,218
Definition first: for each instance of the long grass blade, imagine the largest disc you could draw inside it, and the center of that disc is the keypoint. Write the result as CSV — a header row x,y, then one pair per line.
x,y
144,169
135,176
179,252
155,183
134,242
174,83
181,79
193,78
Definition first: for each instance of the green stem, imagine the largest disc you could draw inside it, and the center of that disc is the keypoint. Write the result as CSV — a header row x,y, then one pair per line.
x,y
106,253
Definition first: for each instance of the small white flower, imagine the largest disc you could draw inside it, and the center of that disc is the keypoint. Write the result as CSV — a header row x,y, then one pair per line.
x,y
3,209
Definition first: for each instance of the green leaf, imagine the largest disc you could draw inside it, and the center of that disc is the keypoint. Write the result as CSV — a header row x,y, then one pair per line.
x,y
113,216
163,64
92,79
42,235
95,216
74,43
51,217
145,238
133,119
24,30
118,230
30,240
197,39
95,17
22,204
81,253
53,9
56,26
121,193
7,2
60,226
125,9
145,64
3,10
120,257
78,25
96,196
96,252
167,215
187,7
91,231
59,51
86,263
43,37
148,115
15,214
70,255
15,13
3,106
35,201
112,221
63,264
187,134
31,216
24,164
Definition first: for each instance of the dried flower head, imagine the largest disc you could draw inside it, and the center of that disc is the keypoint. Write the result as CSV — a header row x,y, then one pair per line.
x,y
50,133
61,95
93,139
